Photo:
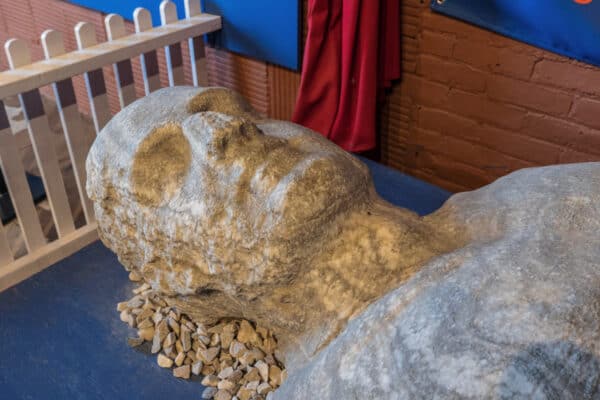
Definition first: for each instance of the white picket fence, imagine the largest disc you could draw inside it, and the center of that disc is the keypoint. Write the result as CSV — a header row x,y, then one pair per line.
x,y
24,80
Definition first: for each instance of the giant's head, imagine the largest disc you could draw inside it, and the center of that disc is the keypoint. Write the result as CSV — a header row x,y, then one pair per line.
x,y
198,193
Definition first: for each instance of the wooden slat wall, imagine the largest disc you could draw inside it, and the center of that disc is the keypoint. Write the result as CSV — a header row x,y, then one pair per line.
x,y
283,89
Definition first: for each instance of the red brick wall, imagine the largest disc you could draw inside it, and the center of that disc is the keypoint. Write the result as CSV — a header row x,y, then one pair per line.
x,y
473,105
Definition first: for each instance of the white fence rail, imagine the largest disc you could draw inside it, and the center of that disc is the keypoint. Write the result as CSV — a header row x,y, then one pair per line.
x,y
24,80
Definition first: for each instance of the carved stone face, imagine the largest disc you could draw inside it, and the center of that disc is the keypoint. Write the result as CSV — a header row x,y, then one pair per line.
x,y
230,215
211,180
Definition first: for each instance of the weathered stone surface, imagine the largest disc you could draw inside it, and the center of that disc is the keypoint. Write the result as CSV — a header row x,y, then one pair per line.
x,y
234,216
512,315
213,205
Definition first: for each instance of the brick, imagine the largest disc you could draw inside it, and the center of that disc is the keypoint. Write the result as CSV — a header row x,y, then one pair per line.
x,y
453,74
568,75
498,60
410,30
436,43
414,10
528,95
518,146
443,24
562,132
520,47
586,111
511,63
423,91
47,14
428,176
451,170
444,122
573,156
3,16
18,19
481,108
409,66
493,163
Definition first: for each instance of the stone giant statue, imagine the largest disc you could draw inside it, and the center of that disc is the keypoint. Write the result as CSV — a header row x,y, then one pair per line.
x,y
230,215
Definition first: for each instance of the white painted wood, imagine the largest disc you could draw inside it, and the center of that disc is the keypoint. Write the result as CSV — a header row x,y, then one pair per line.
x,y
142,19
72,124
43,148
196,47
18,189
78,146
6,255
76,63
149,60
52,43
45,155
115,29
25,78
192,8
173,55
198,59
85,33
35,262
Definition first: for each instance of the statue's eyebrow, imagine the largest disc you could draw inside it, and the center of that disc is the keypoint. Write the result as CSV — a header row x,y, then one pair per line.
x,y
223,101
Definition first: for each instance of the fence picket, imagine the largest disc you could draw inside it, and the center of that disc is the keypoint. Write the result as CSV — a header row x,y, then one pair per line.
x,y
70,118
149,60
43,148
85,33
58,69
168,15
115,29
5,252
18,189
196,47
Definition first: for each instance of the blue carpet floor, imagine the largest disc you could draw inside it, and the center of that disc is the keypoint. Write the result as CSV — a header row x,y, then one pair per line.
x,y
61,336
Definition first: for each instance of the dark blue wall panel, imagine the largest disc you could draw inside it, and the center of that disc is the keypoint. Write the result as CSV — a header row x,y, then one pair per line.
x,y
563,26
125,8
268,30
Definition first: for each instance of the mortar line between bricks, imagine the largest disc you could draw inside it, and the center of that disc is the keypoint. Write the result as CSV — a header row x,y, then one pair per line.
x,y
449,157
480,144
487,125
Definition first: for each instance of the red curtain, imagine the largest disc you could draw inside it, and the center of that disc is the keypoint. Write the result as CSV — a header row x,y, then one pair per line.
x,y
352,53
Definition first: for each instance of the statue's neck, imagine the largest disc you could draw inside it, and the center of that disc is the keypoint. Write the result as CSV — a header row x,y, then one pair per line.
x,y
372,251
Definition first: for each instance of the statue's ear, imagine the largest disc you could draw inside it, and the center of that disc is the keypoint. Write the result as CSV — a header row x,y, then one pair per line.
x,y
160,165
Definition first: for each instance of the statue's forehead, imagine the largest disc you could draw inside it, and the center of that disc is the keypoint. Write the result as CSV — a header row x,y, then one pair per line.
x,y
162,107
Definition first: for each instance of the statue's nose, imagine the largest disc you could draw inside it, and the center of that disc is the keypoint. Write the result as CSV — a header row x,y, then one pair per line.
x,y
217,132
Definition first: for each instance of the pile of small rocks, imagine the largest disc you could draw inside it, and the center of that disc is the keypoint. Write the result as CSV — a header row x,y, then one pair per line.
x,y
236,359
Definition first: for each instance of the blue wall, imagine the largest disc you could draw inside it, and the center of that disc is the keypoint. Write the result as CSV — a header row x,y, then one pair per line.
x,y
268,30
562,26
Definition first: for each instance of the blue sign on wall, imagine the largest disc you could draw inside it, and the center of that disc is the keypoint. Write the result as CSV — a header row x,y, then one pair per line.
x,y
567,27
268,30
